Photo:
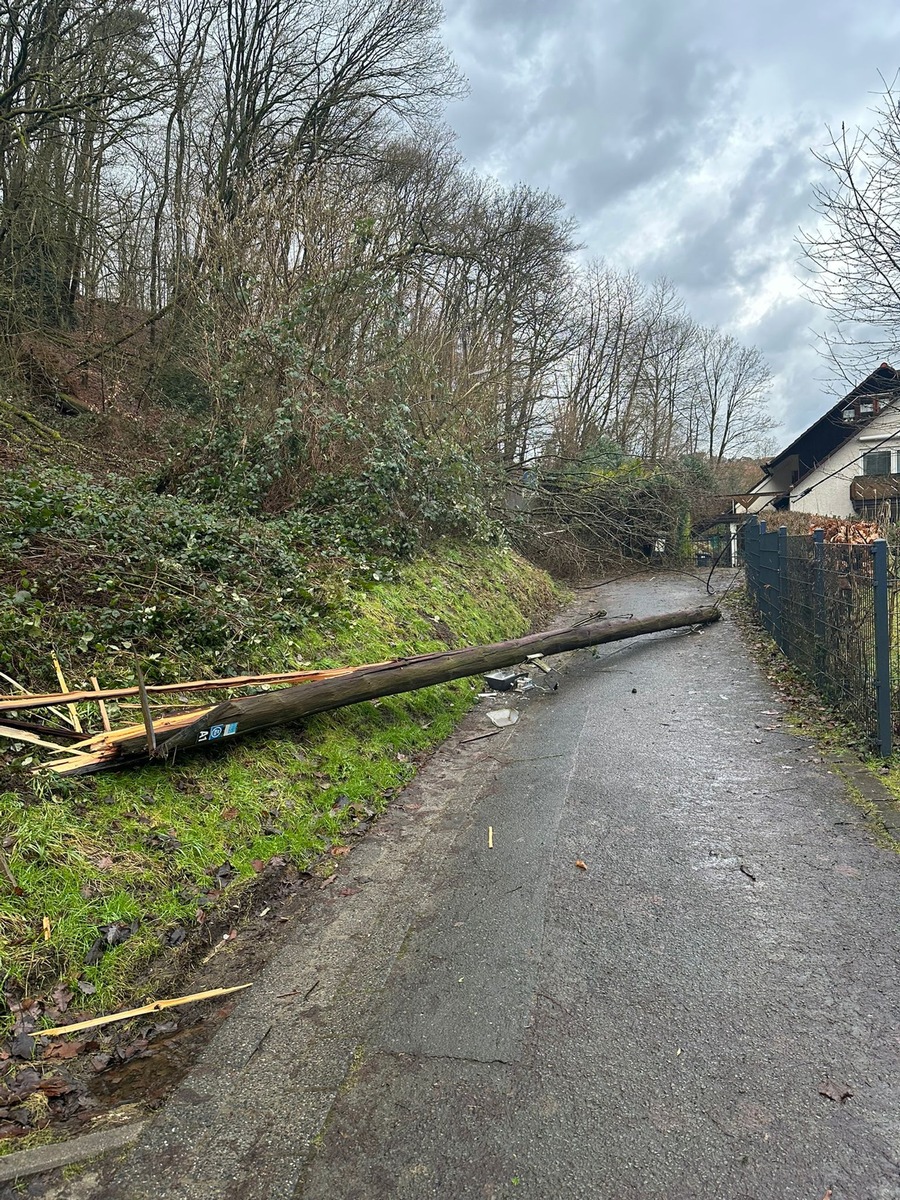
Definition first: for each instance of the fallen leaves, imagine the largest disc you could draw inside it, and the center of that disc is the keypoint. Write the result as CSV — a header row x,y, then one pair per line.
x,y
64,1049
224,875
837,1092
582,866
852,533
111,935
22,1046
28,1099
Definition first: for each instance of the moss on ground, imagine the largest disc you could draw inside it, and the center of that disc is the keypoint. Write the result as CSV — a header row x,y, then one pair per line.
x,y
30,1141
157,846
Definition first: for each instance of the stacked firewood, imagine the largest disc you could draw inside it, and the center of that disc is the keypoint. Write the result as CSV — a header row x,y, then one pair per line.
x,y
847,533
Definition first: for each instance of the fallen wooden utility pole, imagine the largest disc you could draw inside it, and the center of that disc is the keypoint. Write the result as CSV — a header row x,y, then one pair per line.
x,y
247,714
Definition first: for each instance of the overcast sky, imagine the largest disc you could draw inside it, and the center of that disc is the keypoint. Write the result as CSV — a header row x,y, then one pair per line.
x,y
678,132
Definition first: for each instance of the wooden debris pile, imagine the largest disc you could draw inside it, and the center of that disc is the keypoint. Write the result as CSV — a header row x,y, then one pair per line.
x,y
302,693
847,533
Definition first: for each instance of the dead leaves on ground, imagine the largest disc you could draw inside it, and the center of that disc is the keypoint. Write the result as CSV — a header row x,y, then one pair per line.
x,y
837,1092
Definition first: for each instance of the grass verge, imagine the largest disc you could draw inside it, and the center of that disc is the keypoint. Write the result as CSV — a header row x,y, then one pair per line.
x,y
149,853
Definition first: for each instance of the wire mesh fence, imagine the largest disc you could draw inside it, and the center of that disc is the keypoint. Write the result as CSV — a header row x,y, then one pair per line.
x,y
833,610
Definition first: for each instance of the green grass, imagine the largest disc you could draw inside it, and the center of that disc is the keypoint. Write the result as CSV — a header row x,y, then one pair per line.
x,y
144,844
40,1137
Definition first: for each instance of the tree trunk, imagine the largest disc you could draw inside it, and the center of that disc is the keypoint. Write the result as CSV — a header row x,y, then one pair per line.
x,y
249,713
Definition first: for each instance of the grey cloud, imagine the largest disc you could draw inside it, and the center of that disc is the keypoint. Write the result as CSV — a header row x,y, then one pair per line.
x,y
608,106
782,324
628,109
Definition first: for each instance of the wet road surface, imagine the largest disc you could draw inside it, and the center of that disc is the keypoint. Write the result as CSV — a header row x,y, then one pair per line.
x,y
476,1022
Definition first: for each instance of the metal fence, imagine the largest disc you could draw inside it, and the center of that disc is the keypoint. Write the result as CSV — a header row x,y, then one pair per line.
x,y
829,608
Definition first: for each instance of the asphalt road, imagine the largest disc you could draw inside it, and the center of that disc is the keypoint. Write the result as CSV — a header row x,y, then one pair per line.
x,y
474,1021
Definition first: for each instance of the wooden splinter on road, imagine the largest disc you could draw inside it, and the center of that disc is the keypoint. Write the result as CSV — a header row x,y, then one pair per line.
x,y
335,689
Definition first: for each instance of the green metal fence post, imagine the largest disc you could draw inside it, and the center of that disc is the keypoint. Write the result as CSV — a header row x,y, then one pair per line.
x,y
762,600
882,645
821,650
782,637
750,534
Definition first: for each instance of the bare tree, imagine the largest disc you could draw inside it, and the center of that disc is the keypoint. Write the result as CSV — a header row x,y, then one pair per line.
x,y
76,81
853,253
729,413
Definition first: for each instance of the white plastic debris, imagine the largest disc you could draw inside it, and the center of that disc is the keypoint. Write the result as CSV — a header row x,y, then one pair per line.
x,y
501,717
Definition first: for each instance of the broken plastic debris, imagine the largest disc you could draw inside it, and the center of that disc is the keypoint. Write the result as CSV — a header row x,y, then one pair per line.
x,y
505,679
501,717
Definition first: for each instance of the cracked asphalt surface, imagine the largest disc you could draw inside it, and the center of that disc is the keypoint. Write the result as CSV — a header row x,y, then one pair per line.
x,y
475,1022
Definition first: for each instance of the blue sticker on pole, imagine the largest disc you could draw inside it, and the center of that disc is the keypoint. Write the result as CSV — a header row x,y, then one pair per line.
x,y
216,731
231,730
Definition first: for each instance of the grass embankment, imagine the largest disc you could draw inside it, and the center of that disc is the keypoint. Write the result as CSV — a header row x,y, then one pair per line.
x,y
109,577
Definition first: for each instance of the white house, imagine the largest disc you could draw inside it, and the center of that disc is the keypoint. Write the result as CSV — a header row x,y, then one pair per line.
x,y
846,464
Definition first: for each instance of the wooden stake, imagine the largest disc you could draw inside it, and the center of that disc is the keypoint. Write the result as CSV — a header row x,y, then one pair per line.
x,y
156,1006
73,711
46,699
104,715
22,735
145,709
24,690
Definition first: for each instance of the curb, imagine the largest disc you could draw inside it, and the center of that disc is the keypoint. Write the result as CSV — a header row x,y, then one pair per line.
x,y
39,1159
873,791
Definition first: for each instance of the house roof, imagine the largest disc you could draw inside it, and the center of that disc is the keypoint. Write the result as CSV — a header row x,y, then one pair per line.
x,y
831,430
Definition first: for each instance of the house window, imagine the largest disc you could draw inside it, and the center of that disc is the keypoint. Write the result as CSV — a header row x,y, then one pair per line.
x,y
877,462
